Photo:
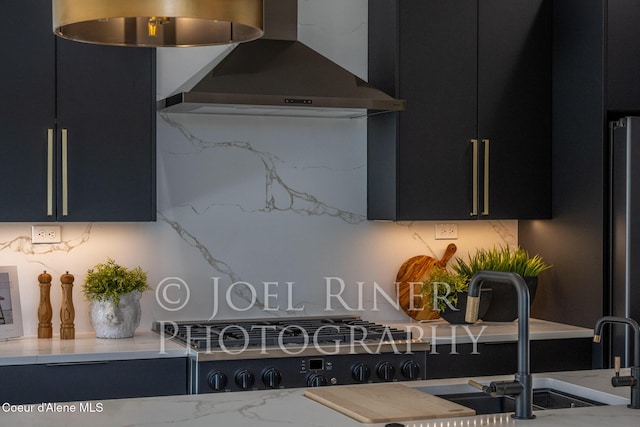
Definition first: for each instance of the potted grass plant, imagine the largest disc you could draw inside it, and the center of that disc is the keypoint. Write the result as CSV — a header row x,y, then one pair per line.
x,y
447,293
114,293
504,307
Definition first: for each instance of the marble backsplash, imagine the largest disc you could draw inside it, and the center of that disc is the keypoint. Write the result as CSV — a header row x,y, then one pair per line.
x,y
257,216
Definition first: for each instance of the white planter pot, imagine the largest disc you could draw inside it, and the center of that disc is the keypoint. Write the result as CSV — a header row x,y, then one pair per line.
x,y
116,321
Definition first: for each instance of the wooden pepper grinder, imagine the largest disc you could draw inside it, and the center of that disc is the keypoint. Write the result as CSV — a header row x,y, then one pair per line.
x,y
45,312
67,313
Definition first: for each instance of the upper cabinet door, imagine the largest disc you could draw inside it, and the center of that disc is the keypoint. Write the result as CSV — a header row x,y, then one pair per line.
x,y
623,55
438,78
78,125
420,160
106,125
27,111
475,140
514,108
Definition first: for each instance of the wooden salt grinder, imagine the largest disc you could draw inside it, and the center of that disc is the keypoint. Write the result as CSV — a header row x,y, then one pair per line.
x,y
45,312
67,313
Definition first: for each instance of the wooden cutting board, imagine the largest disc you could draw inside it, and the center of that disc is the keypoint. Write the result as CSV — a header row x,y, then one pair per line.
x,y
417,269
383,403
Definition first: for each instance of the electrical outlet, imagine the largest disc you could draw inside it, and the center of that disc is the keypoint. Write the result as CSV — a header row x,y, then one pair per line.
x,y
46,234
447,231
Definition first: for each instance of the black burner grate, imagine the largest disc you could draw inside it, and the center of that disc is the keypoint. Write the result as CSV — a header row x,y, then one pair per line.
x,y
212,335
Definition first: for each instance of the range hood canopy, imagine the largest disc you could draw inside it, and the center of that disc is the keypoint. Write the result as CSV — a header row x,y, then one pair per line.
x,y
280,76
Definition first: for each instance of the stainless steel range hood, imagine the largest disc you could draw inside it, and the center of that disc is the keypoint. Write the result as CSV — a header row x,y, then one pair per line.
x,y
279,76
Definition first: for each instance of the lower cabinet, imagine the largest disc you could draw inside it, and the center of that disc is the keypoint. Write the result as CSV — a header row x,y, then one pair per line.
x,y
501,358
81,381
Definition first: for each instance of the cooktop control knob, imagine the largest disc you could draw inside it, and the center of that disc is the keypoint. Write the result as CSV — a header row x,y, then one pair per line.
x,y
245,379
410,370
317,380
272,378
217,380
386,371
360,372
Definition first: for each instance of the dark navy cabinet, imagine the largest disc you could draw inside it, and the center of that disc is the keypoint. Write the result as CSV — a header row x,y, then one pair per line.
x,y
501,358
78,124
623,55
114,379
475,139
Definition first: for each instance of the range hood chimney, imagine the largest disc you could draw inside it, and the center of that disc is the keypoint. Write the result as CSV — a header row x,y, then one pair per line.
x,y
279,76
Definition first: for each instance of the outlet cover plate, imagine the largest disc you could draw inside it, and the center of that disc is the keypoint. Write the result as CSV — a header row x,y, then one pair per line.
x,y
448,231
46,234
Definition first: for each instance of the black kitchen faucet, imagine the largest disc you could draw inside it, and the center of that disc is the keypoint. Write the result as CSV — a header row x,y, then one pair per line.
x,y
521,388
632,380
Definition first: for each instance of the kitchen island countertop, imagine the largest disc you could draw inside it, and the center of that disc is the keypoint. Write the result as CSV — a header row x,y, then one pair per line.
x,y
290,407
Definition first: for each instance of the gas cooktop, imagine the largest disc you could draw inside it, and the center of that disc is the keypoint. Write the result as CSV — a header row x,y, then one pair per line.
x,y
236,355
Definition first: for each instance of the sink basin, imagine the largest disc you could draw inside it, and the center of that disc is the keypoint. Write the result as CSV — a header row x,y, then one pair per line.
x,y
548,393
545,398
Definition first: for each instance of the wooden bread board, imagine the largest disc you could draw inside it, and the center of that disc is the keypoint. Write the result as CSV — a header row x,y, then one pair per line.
x,y
409,280
383,403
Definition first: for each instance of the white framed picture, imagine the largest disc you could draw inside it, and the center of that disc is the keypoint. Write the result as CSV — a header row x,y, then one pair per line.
x,y
10,312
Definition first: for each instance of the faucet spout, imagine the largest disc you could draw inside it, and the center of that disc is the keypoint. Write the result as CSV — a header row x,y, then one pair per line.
x,y
633,380
597,332
523,398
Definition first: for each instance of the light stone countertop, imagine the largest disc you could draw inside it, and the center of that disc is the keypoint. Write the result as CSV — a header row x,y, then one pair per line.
x,y
86,347
291,408
148,345
441,332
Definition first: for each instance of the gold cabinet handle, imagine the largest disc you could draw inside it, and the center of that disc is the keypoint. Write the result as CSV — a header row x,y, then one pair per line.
x,y
49,172
474,181
65,176
485,210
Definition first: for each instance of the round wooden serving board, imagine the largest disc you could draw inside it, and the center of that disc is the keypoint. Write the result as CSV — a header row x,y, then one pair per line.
x,y
418,269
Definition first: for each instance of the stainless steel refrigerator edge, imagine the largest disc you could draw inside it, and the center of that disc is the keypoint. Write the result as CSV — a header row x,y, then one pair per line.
x,y
624,231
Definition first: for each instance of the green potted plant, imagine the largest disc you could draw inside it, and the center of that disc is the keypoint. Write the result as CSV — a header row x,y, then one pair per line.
x,y
447,293
504,307
114,293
